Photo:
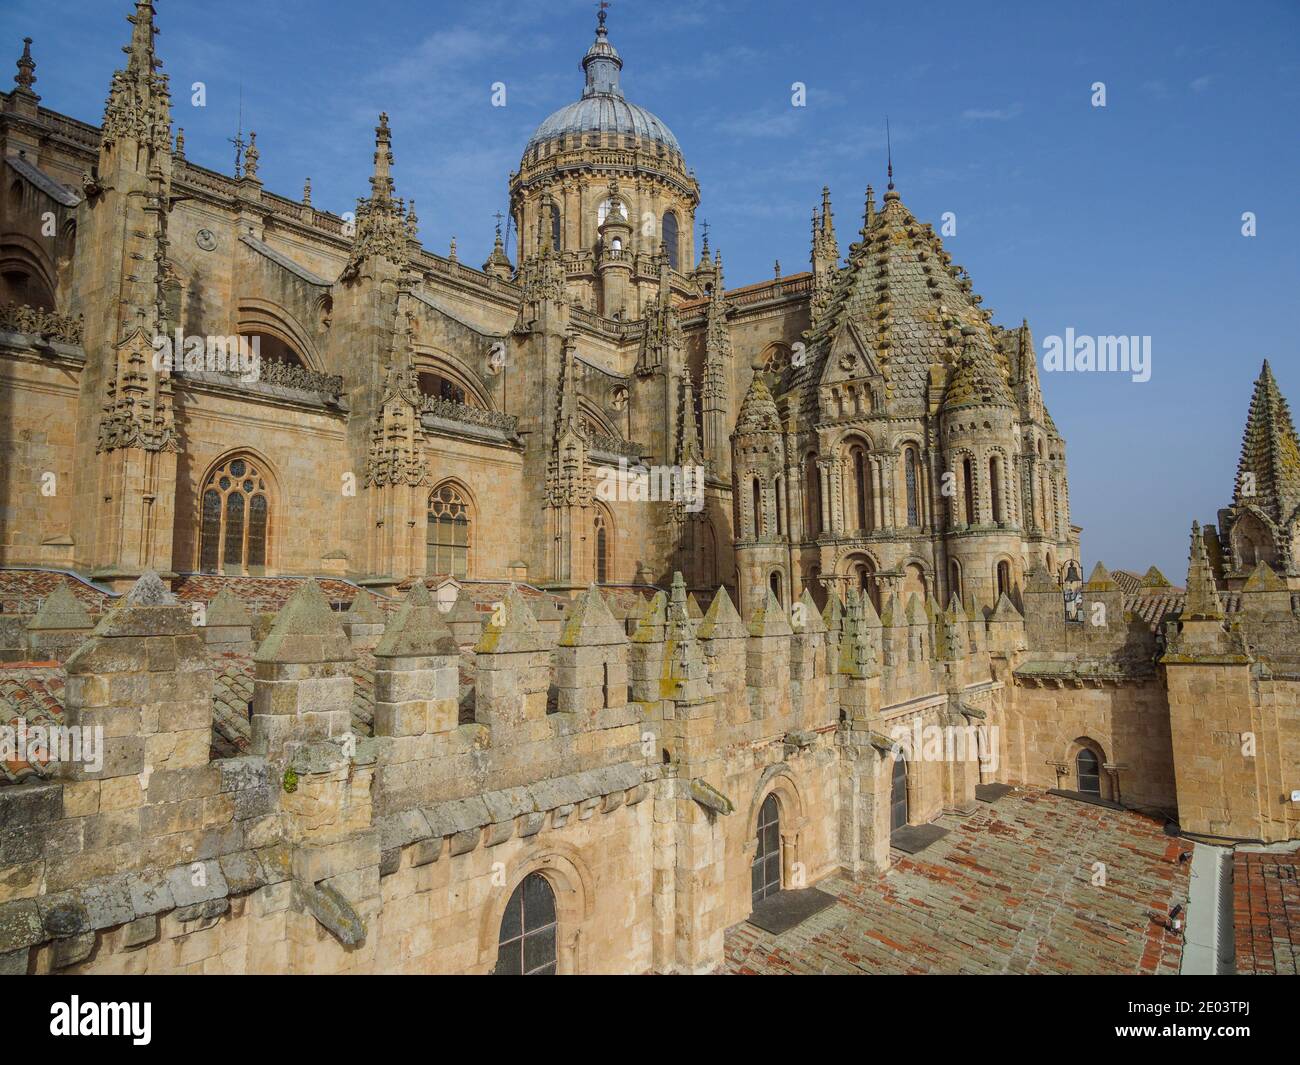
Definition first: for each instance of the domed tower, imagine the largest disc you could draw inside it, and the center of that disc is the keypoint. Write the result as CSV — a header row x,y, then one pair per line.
x,y
978,427
761,515
562,189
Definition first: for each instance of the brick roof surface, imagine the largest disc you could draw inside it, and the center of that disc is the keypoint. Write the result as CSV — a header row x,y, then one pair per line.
x,y
32,691
22,591
1266,913
1008,890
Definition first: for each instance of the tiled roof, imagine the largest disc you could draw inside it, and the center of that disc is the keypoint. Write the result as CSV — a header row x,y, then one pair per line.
x,y
1266,913
22,591
262,595
32,691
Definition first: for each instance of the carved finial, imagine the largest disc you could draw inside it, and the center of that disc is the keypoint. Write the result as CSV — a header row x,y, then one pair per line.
x,y
251,157
26,76
600,18
413,223
777,269
180,142
306,192
451,254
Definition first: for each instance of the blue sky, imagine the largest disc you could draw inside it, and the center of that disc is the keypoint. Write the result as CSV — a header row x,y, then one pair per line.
x,y
1117,220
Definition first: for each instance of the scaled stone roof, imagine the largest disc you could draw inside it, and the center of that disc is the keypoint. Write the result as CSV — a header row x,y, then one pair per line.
x,y
908,304
758,410
1270,452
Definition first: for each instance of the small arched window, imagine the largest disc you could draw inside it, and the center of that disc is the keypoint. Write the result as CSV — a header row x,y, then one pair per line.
x,y
779,487
812,495
774,582
670,239
954,578
555,227
911,480
757,504
995,488
1088,769
234,519
527,944
968,490
765,870
602,548
861,488
1004,578
447,537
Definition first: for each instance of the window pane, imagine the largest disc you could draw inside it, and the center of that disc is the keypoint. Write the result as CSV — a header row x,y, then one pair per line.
x,y
539,950
257,531
509,959
511,922
539,902
234,552
210,552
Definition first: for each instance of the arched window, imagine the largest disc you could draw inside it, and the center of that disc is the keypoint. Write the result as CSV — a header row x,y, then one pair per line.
x,y
995,488
861,489
812,497
954,578
1004,578
235,516
765,871
774,582
439,387
527,945
758,509
555,227
779,486
272,349
1088,769
670,238
447,536
898,794
912,478
968,490
602,548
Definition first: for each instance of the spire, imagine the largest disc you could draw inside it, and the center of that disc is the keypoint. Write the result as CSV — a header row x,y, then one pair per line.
x,y
26,76
869,213
382,225
1202,599
828,221
138,103
1268,474
306,193
602,62
381,182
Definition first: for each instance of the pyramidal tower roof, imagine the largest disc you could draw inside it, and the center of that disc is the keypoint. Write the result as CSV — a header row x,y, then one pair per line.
x,y
1270,453
907,302
758,412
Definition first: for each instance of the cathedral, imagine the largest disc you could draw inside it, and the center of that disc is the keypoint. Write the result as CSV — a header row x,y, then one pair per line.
x,y
316,524
862,423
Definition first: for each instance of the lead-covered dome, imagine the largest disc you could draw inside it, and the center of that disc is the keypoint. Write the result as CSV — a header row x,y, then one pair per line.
x,y
602,109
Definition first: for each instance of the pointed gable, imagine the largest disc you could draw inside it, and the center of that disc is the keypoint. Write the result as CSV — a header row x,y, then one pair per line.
x,y
722,622
61,611
588,623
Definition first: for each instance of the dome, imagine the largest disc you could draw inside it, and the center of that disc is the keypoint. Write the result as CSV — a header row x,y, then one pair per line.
x,y
602,108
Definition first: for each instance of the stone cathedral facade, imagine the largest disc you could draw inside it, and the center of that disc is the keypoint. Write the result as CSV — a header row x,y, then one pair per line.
x,y
225,558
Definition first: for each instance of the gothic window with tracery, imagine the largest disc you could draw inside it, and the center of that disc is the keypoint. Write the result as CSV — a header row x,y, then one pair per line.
x,y
447,539
234,520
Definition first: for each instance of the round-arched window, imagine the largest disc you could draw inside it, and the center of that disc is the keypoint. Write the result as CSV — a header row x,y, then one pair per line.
x,y
527,944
